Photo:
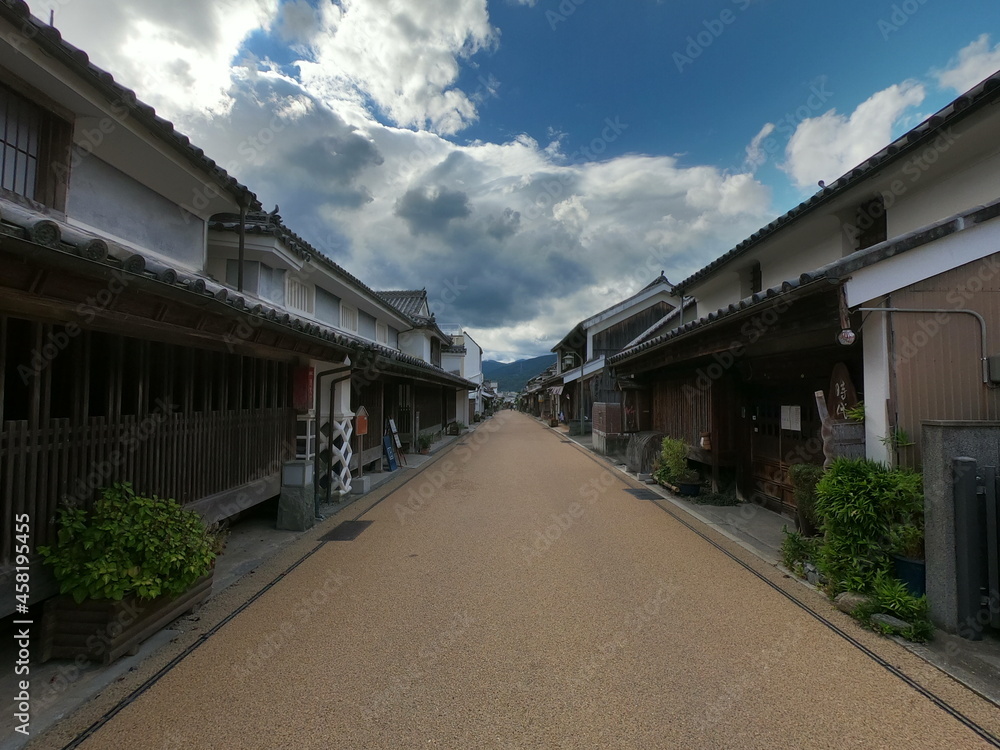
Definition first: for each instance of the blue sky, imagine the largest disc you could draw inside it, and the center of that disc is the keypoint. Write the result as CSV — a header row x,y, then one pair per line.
x,y
544,158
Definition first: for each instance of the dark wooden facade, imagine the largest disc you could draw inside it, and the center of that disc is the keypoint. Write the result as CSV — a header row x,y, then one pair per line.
x,y
732,382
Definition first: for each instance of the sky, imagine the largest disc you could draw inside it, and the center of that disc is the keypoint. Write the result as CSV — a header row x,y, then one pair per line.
x,y
532,162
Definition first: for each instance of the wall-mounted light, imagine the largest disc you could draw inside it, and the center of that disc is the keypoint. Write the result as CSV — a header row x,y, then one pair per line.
x,y
847,337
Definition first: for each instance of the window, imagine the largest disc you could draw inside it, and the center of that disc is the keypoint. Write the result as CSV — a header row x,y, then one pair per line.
x,y
299,296
348,318
870,223
381,333
29,136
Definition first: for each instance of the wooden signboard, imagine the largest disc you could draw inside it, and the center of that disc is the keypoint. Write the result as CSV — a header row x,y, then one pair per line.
x,y
390,452
395,433
842,394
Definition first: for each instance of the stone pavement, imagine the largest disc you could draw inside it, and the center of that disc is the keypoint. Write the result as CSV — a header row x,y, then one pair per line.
x,y
519,593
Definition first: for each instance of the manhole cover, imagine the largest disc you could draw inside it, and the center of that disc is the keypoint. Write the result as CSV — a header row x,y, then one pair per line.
x,y
644,494
347,531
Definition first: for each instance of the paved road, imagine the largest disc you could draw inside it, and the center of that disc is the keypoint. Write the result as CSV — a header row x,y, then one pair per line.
x,y
526,600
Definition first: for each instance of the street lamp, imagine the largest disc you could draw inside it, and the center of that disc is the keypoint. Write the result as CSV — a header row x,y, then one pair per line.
x,y
574,354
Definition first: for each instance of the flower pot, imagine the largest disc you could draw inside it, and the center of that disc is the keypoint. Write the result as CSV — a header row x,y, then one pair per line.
x,y
103,630
913,573
689,489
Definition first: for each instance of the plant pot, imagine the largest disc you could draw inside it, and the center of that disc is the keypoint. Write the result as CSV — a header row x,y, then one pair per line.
x,y
103,630
913,573
689,489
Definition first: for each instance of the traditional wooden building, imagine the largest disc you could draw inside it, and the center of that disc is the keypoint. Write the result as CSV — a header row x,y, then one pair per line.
x,y
155,325
883,282
581,357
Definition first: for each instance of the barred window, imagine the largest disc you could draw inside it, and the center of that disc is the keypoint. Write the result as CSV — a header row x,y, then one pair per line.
x,y
299,296
348,318
381,333
29,135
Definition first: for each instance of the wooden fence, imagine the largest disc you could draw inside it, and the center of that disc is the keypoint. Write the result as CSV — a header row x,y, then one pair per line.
x,y
182,456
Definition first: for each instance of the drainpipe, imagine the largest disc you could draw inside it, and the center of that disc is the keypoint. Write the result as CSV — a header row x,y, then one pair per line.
x,y
345,367
984,364
244,203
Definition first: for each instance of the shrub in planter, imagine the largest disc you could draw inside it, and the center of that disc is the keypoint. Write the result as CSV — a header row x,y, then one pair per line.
x,y
857,502
423,443
128,544
673,462
126,568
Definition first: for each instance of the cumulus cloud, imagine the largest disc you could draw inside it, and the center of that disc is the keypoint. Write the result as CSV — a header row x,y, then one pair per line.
x,y
974,62
404,57
176,55
515,239
825,147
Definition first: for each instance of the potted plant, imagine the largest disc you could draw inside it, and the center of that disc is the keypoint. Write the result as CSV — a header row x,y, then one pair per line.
x,y
424,443
906,545
674,471
689,483
125,569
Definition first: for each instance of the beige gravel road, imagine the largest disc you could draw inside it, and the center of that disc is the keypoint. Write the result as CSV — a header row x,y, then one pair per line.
x,y
526,600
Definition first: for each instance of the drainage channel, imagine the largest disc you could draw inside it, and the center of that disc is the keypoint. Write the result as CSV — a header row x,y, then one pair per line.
x,y
941,703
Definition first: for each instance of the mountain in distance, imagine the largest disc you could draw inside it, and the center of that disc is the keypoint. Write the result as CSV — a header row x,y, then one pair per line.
x,y
513,375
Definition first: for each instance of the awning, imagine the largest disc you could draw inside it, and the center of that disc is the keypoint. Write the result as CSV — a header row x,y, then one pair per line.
x,y
556,390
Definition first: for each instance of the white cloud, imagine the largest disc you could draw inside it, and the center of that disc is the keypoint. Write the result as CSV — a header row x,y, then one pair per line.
x,y
405,57
974,62
756,154
825,147
532,244
175,55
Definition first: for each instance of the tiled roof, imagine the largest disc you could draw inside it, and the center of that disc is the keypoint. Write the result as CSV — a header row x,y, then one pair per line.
x,y
832,273
978,97
47,234
261,223
50,40
410,303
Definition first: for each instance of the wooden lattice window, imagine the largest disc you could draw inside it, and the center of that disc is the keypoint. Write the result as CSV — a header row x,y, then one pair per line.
x,y
30,137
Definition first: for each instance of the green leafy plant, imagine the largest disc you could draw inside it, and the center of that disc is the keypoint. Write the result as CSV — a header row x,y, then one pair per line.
x,y
423,441
890,596
907,540
796,550
673,463
898,438
856,413
804,478
128,544
858,502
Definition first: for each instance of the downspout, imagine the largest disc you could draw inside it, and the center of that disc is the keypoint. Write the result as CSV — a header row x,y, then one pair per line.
x,y
984,364
318,397
244,203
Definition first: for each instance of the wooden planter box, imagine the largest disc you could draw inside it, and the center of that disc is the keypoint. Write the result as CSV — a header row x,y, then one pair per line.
x,y
102,630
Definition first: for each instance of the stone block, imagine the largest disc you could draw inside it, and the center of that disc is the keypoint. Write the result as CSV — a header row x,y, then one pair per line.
x,y
296,508
849,602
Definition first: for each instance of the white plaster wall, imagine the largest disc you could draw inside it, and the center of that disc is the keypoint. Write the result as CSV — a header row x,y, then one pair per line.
x,y
107,200
416,344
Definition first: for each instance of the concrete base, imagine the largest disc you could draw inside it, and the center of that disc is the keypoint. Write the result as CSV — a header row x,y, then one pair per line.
x,y
361,485
296,508
610,444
